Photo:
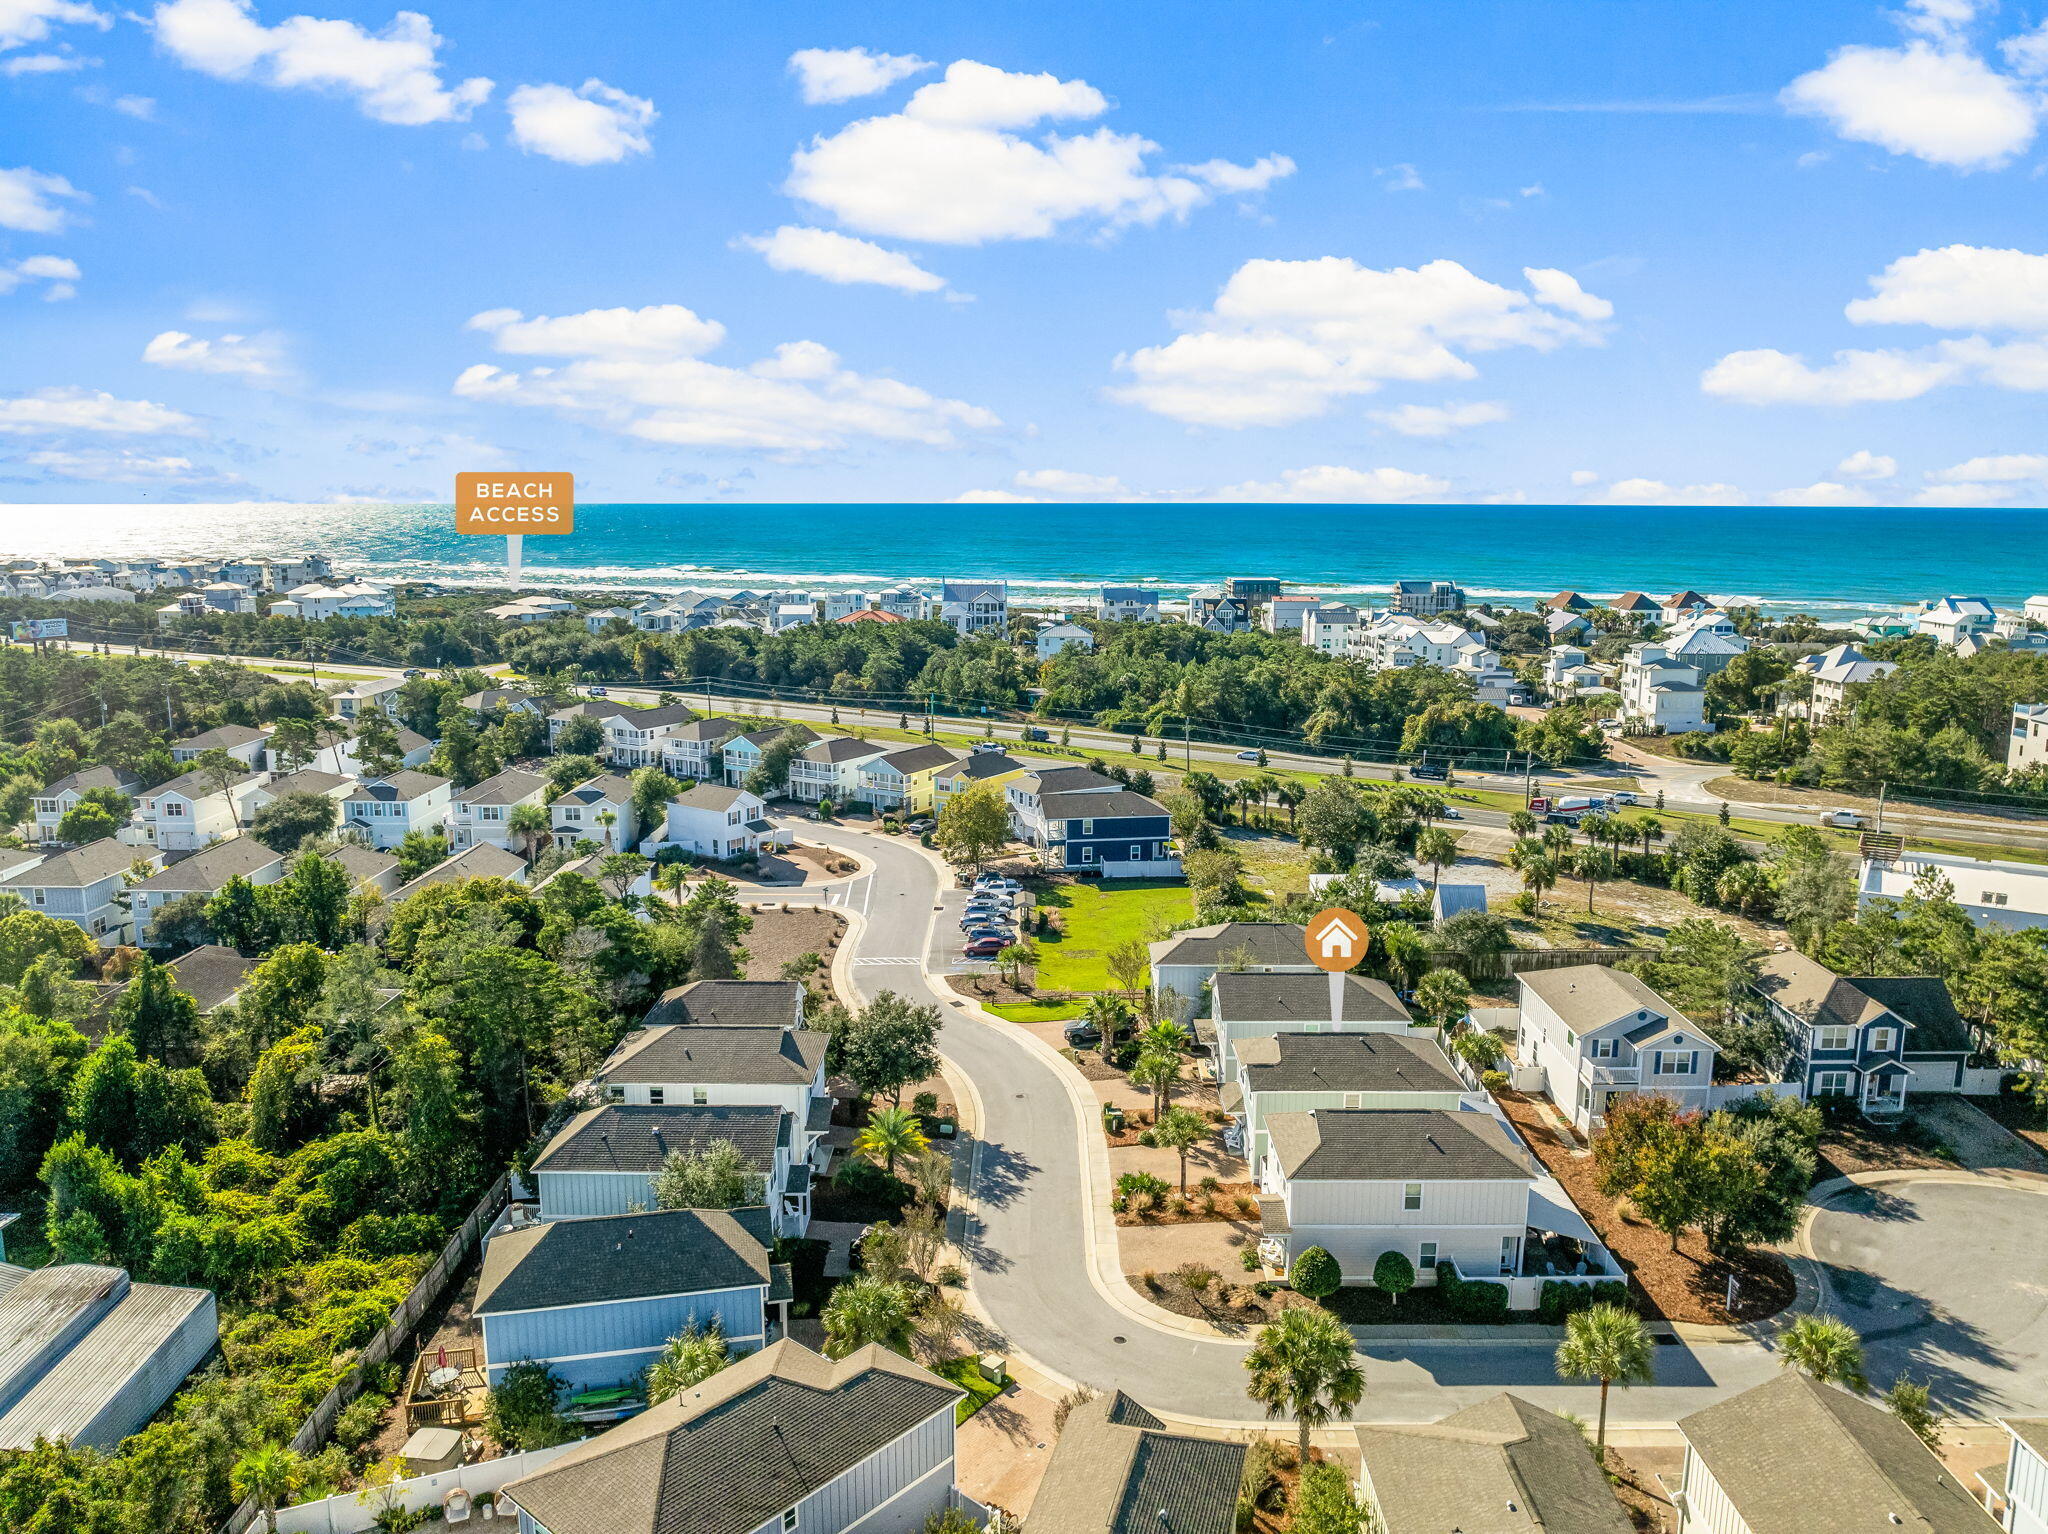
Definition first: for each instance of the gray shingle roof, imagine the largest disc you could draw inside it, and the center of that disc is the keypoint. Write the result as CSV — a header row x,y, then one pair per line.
x,y
709,796
305,781
1587,996
622,1137
1775,1448
986,764
623,1257
1251,997
725,1457
594,708
94,777
710,1055
1810,990
512,786
1259,942
1395,1145
399,787
713,729
362,864
79,867
210,974
612,786
483,861
767,738
1100,804
729,1003
225,738
1114,1471
841,748
1347,1062
1068,780
1499,1467
211,867
918,758
197,784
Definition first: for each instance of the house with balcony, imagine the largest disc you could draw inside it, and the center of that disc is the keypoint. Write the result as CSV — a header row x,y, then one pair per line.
x,y
784,1440
204,873
1496,1467
1948,621
638,737
2027,742
1116,1469
1028,791
1590,1033
1330,627
372,692
907,779
1875,1040
1219,611
2016,1492
1108,833
86,886
723,1065
242,742
194,809
63,796
1834,672
227,597
596,1300
906,602
600,709
599,809
974,607
1681,605
713,821
1660,692
493,703
741,754
1127,604
1249,1004
605,1159
1304,1072
1426,599
831,768
384,811
482,813
987,763
693,751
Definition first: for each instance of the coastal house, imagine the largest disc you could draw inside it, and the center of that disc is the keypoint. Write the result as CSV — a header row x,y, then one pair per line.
x,y
2027,743
2018,1489
318,602
335,748
227,597
372,692
905,602
638,737
1127,604
599,709
1833,672
1057,638
1117,1470
1254,589
1636,605
367,868
84,886
1109,833
1683,604
536,609
1426,599
482,861
1303,1072
974,607
1247,1004
831,768
871,615
1496,1467
384,811
483,812
493,703
775,1004
693,751
600,809
844,604
281,785
986,763
600,620
1589,1033
1284,614
1215,609
742,753
1329,627
1949,621
1569,601
1661,693
1184,964
605,1159
1874,1040
53,803
781,1441
240,741
1755,1463
1027,792
596,1300
714,821
1991,892
203,873
1563,624
725,1065
194,809
211,975
906,779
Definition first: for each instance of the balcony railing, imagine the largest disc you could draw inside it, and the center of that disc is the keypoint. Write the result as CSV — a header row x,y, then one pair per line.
x,y
1614,1074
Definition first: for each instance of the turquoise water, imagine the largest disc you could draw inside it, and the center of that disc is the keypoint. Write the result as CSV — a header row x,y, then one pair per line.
x,y
1819,559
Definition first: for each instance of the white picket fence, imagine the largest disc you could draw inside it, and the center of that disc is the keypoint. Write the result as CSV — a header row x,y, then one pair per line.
x,y
349,1514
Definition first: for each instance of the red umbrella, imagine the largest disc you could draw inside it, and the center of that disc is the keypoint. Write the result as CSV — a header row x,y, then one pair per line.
x,y
442,1358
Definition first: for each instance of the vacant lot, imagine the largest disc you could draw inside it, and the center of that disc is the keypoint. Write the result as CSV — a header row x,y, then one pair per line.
x,y
1096,917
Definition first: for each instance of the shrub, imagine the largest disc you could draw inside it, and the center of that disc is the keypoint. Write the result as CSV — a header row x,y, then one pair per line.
x,y
1556,1300
1316,1273
925,1104
1209,1184
1146,1137
951,1276
1471,1301
1194,1277
1258,1479
1248,1258
1133,1186
1494,1081
1393,1274
1247,1205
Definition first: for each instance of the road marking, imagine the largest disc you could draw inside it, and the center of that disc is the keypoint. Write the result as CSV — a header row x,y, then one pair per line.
x,y
886,961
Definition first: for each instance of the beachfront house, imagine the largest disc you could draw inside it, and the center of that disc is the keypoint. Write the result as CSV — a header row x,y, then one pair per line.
x,y
1426,599
1283,615
1184,964
1218,610
905,602
1948,621
203,873
1245,1004
1117,1470
194,809
482,813
62,797
1589,1033
975,607
84,887
1874,1040
384,811
783,1441
604,1160
1496,1467
1304,1072
1127,604
596,1300
713,821
599,809
906,779
1757,1462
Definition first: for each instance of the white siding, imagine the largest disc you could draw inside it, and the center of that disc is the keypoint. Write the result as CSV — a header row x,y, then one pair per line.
x,y
1707,1508
2026,1485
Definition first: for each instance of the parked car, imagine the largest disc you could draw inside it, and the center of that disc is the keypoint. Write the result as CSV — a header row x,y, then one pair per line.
x,y
978,925
1610,724
997,882
921,825
1082,1034
985,947
1247,756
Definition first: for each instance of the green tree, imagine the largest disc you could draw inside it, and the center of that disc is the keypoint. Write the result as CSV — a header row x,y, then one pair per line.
x,y
1157,1071
310,904
1592,864
88,822
770,775
1302,1365
891,1132
283,1103
652,790
236,916
523,1409
687,1359
1180,1130
375,747
1325,1503
580,735
865,1309
1336,817
1824,1349
1316,1274
420,851
294,743
1443,996
1436,847
1913,1404
179,925
270,1473
439,1112
282,993
716,1177
888,1045
290,820
531,825
26,936
1608,1343
1539,873
973,826
1393,1274
159,1019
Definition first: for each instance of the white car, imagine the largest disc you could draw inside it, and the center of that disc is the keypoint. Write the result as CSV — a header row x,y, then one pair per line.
x,y
1623,797
1247,756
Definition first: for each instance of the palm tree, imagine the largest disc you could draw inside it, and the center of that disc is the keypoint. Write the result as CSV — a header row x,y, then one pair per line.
x,y
891,1132
1824,1349
1435,847
1556,839
1157,1071
1539,873
1303,1366
1110,1015
1650,829
1521,822
1403,950
1592,864
688,1358
270,1474
866,1309
1290,794
608,818
1608,1343
1181,1130
531,824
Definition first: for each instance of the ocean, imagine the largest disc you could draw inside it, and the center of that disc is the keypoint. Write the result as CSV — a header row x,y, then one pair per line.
x,y
1833,562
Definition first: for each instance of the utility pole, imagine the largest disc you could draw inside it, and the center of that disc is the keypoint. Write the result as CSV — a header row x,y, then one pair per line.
x,y
170,718
1881,786
1187,750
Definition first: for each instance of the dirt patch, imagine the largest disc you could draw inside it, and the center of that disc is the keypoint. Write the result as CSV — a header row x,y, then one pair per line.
x,y
1232,1201
1690,1284
779,936
1853,1146
1201,1293
991,989
2023,1117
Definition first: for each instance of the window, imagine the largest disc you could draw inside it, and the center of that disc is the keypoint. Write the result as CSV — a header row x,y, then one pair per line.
x,y
1677,1062
1831,1084
1137,851
788,1521
572,813
699,1096
1411,1195
655,1095
1087,828
614,1094
1425,1256
1087,854
1607,1049
1834,1039
1882,1039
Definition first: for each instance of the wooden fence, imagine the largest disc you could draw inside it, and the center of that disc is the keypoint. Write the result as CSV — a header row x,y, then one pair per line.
x,y
387,1343
1499,966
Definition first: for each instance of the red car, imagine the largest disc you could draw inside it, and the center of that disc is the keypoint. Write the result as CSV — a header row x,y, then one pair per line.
x,y
985,948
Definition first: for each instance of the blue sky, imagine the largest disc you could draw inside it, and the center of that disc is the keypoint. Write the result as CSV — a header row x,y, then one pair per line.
x,y
1665,252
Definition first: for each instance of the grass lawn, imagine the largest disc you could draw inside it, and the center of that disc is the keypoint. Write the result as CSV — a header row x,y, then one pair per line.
x,y
1041,1012
966,1373
1096,917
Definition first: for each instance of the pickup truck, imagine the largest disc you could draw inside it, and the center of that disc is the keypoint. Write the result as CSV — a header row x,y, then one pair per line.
x,y
1841,820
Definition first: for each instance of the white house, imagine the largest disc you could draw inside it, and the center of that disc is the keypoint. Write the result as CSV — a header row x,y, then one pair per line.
x,y
1330,628
1991,893
373,692
383,811
692,750
975,607
1661,692
831,768
317,603
190,811
63,796
483,812
1127,604
638,737
83,886
1302,1072
1950,620
604,617
2023,1492
1590,1033
844,604
741,754
714,821
2027,745
1184,964
1682,605
905,602
308,780
1283,615
1834,671
239,857
581,812
334,750
1057,637
1246,1004
243,742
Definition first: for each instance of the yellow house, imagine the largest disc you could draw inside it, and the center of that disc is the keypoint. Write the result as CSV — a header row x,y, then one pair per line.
x,y
984,764
906,779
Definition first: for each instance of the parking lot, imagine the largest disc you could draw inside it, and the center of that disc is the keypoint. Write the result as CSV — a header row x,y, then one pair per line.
x,y
949,941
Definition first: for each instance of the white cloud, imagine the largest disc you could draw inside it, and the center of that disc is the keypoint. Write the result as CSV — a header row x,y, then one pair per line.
x,y
1933,99
1824,492
394,76
1941,19
952,167
1101,487
1585,477
1766,376
993,498
2027,53
1440,420
126,466
238,356
841,258
1959,287
1998,468
29,21
1655,492
1329,482
591,125
1286,340
828,75
143,107
57,273
48,412
1965,495
641,372
29,200
1227,176
43,64
1401,178
1864,464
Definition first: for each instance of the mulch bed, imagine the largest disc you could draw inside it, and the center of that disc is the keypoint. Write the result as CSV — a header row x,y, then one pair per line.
x,y
1853,1146
1221,1303
779,936
1196,1212
1690,1284
991,989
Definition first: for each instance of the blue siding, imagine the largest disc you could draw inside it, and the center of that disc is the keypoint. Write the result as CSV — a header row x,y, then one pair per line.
x,y
573,1194
548,1335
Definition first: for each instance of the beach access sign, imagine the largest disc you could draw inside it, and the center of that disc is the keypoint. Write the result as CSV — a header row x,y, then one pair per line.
x,y
515,503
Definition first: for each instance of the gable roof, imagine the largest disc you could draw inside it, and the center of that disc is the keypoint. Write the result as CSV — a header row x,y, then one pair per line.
x,y
623,1257
1116,1471
594,708
841,748
1347,1062
225,738
713,1053
715,728
78,867
483,861
977,765
1261,942
78,782
606,787
762,739
1498,1467
512,786
199,783
1772,1447
1588,996
729,1003
1816,994
360,863
921,758
709,796
737,1450
210,974
399,786
305,781
1252,997
1395,1145
1101,804
211,867
623,1137
871,615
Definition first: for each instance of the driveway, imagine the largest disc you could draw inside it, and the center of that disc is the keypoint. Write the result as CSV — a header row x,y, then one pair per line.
x,y
1946,1278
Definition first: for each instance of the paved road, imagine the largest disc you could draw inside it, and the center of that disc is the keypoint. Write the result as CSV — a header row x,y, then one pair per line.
x,y
1030,1274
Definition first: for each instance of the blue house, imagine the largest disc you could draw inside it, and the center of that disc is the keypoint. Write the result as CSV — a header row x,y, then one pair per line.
x,y
604,1160
596,1299
1874,1039
1109,833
